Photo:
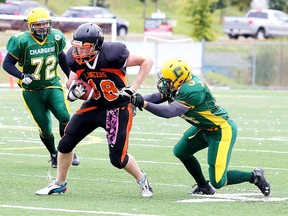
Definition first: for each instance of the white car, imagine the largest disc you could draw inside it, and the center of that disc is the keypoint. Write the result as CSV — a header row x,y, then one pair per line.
x,y
259,24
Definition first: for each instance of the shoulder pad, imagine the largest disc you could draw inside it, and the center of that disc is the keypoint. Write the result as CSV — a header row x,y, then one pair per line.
x,y
119,49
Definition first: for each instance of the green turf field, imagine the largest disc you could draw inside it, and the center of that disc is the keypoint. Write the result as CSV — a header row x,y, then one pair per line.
x,y
97,188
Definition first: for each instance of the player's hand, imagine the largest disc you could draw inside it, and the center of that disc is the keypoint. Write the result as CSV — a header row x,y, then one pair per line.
x,y
27,78
138,101
76,92
127,91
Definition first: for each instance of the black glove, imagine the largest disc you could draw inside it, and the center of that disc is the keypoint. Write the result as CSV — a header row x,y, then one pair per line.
x,y
27,78
126,91
138,101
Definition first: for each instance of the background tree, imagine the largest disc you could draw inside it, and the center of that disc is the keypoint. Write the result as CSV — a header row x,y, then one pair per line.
x,y
279,5
144,6
99,3
201,19
243,5
219,5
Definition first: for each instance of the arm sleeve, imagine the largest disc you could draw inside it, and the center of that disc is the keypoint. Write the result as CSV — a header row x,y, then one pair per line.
x,y
9,66
155,98
63,64
166,111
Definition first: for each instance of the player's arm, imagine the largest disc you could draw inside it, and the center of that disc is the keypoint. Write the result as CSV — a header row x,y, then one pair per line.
x,y
155,98
72,76
145,64
63,64
9,66
165,111
171,110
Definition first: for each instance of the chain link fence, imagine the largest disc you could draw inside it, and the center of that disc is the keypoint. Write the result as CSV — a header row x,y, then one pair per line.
x,y
248,63
253,64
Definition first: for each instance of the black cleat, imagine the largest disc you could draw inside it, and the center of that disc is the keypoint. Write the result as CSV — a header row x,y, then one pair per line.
x,y
204,189
75,161
260,181
53,160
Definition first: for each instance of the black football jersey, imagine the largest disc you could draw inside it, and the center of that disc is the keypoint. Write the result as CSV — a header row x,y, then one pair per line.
x,y
106,74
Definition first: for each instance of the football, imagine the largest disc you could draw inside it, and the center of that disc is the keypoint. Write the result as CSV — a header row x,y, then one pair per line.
x,y
90,93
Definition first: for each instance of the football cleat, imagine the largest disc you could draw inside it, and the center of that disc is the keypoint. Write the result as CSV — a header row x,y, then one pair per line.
x,y
145,188
52,188
53,160
204,189
75,161
260,181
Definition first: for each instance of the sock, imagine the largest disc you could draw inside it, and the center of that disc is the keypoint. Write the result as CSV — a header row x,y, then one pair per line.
x,y
59,183
142,180
61,129
49,143
193,167
237,177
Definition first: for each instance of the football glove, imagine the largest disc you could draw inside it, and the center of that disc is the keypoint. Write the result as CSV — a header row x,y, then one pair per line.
x,y
127,91
138,101
76,92
27,78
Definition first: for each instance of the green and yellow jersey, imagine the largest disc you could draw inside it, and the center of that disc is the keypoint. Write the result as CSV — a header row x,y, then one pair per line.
x,y
38,58
204,112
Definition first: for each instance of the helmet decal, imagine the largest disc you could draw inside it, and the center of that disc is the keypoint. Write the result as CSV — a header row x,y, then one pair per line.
x,y
172,75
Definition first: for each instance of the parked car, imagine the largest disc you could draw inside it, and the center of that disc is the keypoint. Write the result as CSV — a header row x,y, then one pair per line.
x,y
93,12
258,24
17,8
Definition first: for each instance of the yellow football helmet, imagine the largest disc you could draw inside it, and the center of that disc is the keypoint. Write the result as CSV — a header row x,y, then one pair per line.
x,y
172,75
39,22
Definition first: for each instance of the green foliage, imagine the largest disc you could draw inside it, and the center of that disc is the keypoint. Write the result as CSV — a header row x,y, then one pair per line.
x,y
201,19
279,5
216,79
271,69
99,3
242,5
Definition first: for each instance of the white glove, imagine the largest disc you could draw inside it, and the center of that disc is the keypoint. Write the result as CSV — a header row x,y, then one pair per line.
x,y
76,92
127,91
27,78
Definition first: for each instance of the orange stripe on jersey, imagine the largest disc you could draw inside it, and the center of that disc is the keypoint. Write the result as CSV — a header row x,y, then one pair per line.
x,y
129,126
118,72
80,71
86,109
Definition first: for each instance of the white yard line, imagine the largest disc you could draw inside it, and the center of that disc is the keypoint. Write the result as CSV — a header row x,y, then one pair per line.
x,y
73,211
243,197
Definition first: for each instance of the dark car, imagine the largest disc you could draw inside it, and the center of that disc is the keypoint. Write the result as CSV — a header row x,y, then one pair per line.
x,y
93,12
17,8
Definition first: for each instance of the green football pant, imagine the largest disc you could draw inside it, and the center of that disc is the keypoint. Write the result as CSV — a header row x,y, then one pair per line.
x,y
220,144
41,103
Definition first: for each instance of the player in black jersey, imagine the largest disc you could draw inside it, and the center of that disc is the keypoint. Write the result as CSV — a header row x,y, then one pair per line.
x,y
102,66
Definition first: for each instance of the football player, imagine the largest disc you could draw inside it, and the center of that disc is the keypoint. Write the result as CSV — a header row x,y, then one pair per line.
x,y
103,66
211,127
38,52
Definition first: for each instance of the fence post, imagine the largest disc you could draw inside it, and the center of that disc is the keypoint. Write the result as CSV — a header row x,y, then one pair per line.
x,y
254,66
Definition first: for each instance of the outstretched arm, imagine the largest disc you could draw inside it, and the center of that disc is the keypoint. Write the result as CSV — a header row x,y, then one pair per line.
x,y
165,111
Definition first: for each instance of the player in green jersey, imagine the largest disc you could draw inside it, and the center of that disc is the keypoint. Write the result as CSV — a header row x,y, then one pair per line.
x,y
38,52
211,127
